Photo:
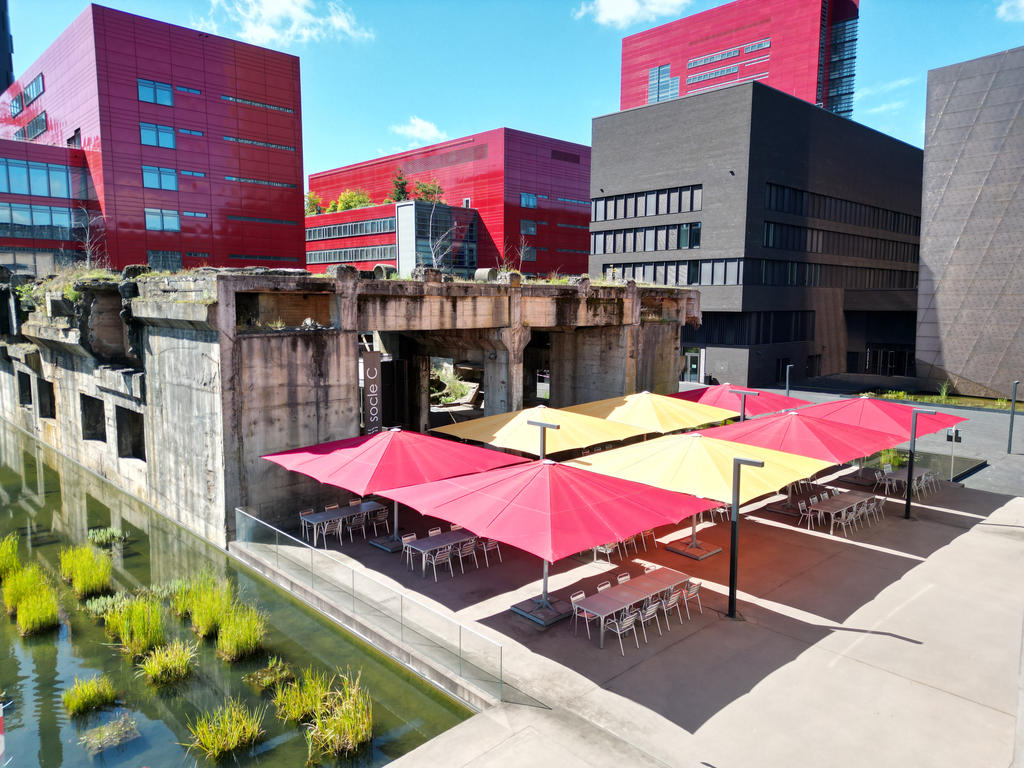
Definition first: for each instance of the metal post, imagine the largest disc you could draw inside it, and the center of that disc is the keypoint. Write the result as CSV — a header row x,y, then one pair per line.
x,y
743,400
1013,410
544,426
733,557
790,365
910,462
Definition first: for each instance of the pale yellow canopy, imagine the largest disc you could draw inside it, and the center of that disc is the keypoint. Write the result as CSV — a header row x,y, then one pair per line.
x,y
653,413
510,430
702,466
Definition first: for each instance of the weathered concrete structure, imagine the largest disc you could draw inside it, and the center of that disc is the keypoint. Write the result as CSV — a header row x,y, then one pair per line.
x,y
173,387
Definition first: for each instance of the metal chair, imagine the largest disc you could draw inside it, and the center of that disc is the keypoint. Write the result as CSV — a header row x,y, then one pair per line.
x,y
581,613
668,603
691,592
355,501
805,512
843,519
407,552
434,531
306,525
456,527
621,627
488,545
648,614
643,538
622,578
356,522
603,586
464,550
607,549
380,517
331,507
332,526
442,556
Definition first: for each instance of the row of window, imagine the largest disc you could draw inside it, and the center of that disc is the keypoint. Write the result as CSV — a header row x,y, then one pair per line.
x,y
37,261
263,182
365,253
351,229
809,240
744,329
34,128
654,203
707,272
32,92
712,74
154,135
262,105
255,143
661,86
667,238
260,220
161,220
729,54
155,92
810,204
42,222
43,179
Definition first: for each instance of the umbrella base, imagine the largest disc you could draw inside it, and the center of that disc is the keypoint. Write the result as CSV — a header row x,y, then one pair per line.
x,y
543,613
388,543
696,551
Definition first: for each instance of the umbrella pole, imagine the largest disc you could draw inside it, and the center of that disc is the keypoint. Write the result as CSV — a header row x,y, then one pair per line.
x,y
394,528
542,601
693,535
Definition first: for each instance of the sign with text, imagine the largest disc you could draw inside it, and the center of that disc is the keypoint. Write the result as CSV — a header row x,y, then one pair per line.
x,y
373,421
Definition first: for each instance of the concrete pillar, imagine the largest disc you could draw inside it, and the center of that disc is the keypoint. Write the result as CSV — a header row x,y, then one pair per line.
x,y
498,383
419,383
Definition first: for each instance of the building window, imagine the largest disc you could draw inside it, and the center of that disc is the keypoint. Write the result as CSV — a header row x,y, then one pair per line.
x,y
263,182
164,261
712,58
185,89
194,214
350,229
528,253
255,143
712,74
758,46
34,89
156,93
190,132
199,174
41,179
661,86
260,220
131,434
259,104
158,219
527,200
197,255
94,419
366,253
527,227
36,126
47,403
159,178
24,388
17,104
153,135
812,205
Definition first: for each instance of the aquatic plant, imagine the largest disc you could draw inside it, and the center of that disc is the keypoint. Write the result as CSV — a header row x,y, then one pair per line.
x,y
185,590
119,730
275,673
138,625
210,604
99,607
86,695
168,663
227,728
105,537
87,570
892,457
241,632
300,700
21,584
9,562
344,720
37,611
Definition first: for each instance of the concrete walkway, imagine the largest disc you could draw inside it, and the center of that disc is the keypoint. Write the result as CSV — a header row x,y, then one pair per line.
x,y
899,646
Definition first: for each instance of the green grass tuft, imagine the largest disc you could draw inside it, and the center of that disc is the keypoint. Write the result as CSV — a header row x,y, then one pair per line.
x,y
37,611
276,673
344,721
210,605
299,701
9,562
169,663
86,695
232,726
241,632
21,584
99,607
87,570
138,625
105,537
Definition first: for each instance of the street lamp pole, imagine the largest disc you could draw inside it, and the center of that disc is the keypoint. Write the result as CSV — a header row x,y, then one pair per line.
x,y
733,557
744,394
1013,410
910,463
790,365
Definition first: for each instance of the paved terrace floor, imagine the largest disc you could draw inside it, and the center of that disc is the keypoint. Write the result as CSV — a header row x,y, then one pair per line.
x,y
898,646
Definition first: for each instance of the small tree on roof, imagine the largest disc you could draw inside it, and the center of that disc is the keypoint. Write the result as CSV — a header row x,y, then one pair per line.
x,y
314,205
429,191
399,187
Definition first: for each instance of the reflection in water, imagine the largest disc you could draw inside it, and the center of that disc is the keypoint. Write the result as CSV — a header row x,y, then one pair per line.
x,y
50,502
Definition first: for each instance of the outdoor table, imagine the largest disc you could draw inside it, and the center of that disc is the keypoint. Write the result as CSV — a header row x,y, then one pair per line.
x,y
839,502
319,520
621,596
900,475
432,543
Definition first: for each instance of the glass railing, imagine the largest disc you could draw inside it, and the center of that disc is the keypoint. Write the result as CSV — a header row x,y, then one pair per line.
x,y
422,631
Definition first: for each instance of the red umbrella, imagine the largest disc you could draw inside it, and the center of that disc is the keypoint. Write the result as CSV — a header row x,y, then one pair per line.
x,y
882,415
389,459
548,509
806,435
719,395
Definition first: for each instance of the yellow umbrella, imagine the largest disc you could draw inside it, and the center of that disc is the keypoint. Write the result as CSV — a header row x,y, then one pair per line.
x,y
702,466
511,430
653,413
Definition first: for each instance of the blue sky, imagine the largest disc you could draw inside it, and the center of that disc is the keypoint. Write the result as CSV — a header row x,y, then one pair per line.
x,y
379,76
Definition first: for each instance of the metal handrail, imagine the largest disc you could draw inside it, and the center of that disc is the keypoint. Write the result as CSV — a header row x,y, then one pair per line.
x,y
368,575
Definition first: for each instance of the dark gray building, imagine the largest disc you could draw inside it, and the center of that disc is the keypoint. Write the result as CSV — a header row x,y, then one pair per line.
x,y
970,324
800,228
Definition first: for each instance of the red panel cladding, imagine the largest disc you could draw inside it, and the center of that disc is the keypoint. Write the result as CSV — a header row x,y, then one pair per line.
x,y
91,75
355,241
789,64
492,169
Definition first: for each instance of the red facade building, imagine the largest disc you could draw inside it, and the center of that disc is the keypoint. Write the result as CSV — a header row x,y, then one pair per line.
x,y
806,48
193,143
531,195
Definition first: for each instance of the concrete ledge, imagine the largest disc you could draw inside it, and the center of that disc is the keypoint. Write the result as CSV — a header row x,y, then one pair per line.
x,y
404,655
180,314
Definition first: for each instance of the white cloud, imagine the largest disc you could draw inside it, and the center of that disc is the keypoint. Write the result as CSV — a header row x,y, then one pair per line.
x,y
624,13
892,106
419,131
282,22
892,85
1011,10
